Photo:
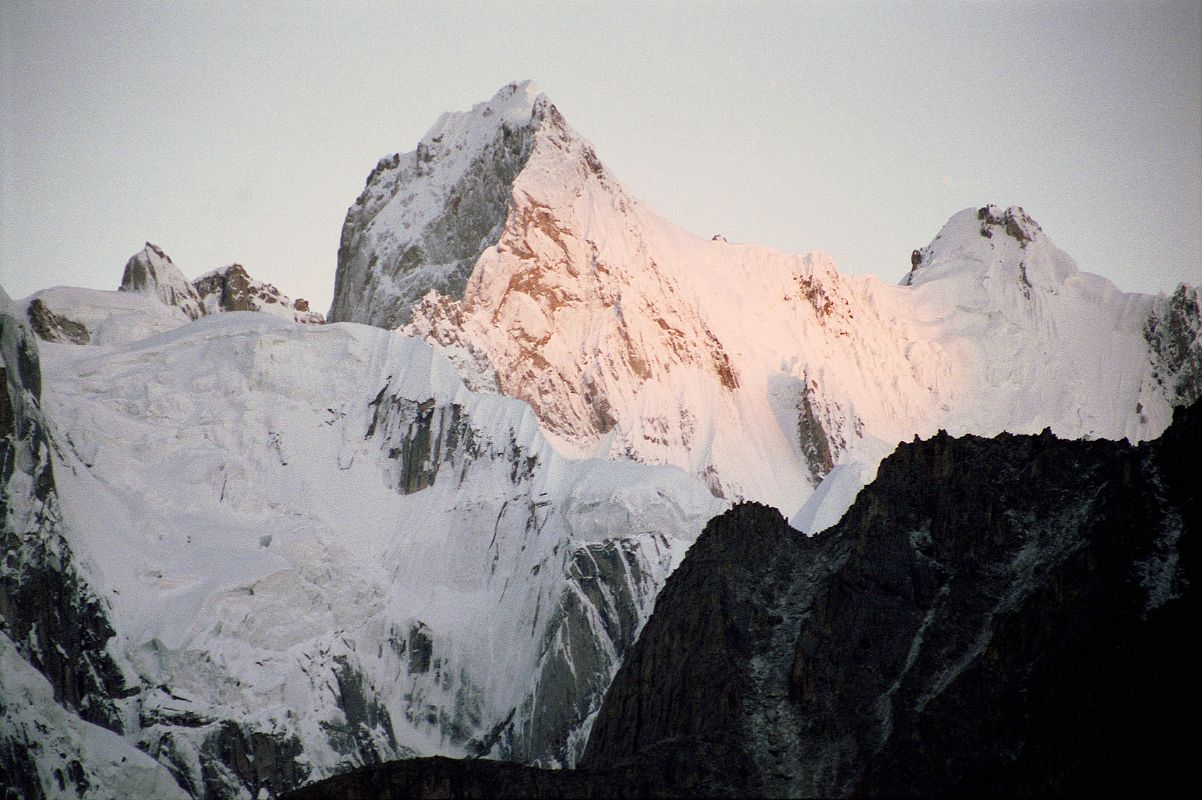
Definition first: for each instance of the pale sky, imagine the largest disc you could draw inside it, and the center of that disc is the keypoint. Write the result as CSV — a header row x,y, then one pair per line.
x,y
240,131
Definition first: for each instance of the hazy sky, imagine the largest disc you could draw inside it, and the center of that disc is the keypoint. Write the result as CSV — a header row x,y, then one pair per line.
x,y
242,131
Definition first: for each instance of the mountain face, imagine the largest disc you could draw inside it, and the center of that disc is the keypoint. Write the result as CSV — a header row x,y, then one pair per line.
x,y
504,241
321,551
992,617
257,553
60,686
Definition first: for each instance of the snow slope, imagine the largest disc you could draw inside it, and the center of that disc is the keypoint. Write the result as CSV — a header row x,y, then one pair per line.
x,y
319,534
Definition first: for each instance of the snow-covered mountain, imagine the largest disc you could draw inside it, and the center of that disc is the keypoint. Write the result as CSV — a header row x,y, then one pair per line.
x,y
316,546
284,550
504,240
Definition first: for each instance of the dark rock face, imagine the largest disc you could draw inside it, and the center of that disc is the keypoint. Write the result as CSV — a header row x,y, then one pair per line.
x,y
469,778
976,637
46,607
694,681
257,759
993,616
420,437
53,327
999,616
812,436
364,719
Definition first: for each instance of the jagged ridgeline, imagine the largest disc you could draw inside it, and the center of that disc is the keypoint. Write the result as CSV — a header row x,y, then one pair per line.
x,y
243,554
993,617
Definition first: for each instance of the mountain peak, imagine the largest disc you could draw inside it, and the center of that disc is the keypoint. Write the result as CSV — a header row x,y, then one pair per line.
x,y
424,217
151,271
1001,243
1013,222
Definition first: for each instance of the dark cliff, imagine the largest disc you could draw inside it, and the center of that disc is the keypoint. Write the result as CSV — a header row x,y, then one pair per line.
x,y
47,608
999,616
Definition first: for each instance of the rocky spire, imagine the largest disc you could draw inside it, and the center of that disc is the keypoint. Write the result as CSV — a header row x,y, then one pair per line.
x,y
151,271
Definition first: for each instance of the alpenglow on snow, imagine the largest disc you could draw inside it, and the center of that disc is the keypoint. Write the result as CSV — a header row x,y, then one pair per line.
x,y
438,524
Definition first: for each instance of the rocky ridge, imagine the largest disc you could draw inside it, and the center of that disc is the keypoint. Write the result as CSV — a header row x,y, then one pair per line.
x,y
232,289
154,297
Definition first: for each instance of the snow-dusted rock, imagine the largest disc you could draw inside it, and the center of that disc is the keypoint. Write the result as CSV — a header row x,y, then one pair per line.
x,y
233,289
1174,334
150,271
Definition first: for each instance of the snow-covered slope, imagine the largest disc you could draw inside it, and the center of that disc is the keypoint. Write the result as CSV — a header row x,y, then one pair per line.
x,y
755,370
45,749
316,542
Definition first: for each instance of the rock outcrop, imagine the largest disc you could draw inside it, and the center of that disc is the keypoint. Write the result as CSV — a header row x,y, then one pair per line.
x,y
233,289
150,271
